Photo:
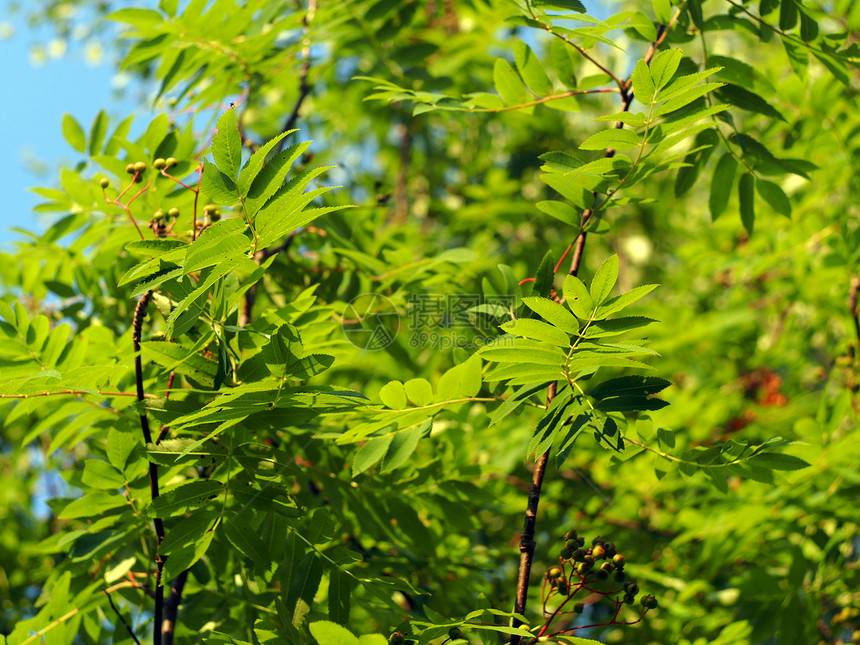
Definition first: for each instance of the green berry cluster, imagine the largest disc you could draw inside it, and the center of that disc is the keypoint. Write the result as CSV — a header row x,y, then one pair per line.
x,y
597,571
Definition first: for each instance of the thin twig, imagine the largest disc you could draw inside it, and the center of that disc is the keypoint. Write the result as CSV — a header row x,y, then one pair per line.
x,y
137,326
121,617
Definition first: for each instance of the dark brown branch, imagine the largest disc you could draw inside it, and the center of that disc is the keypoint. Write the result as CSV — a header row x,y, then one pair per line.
x,y
527,539
121,617
171,608
304,85
136,330
527,544
401,194
855,314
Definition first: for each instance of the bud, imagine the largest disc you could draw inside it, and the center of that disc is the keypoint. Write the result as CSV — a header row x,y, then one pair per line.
x,y
455,633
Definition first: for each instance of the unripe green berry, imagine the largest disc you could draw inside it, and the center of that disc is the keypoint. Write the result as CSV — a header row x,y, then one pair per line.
x,y
158,215
563,587
607,566
105,182
215,215
396,639
584,567
620,576
628,600
596,541
631,589
570,535
588,558
649,602
598,552
173,212
618,560
578,608
602,574
579,555
609,548
171,162
130,169
159,164
566,553
455,633
139,167
572,544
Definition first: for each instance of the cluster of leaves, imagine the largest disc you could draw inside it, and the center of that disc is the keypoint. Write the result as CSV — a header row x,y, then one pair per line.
x,y
296,487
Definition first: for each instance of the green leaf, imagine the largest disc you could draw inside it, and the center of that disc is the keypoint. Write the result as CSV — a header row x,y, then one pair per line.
x,y
682,98
74,133
779,461
393,395
270,178
218,186
577,298
523,351
332,634
419,391
101,475
664,65
508,83
304,586
97,133
255,164
662,11
774,196
553,313
629,385
643,85
787,14
616,138
247,542
721,185
531,69
189,496
461,381
537,330
227,145
370,453
560,5
747,100
187,531
92,505
402,445
224,240
746,196
604,279
618,303
563,63
339,590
